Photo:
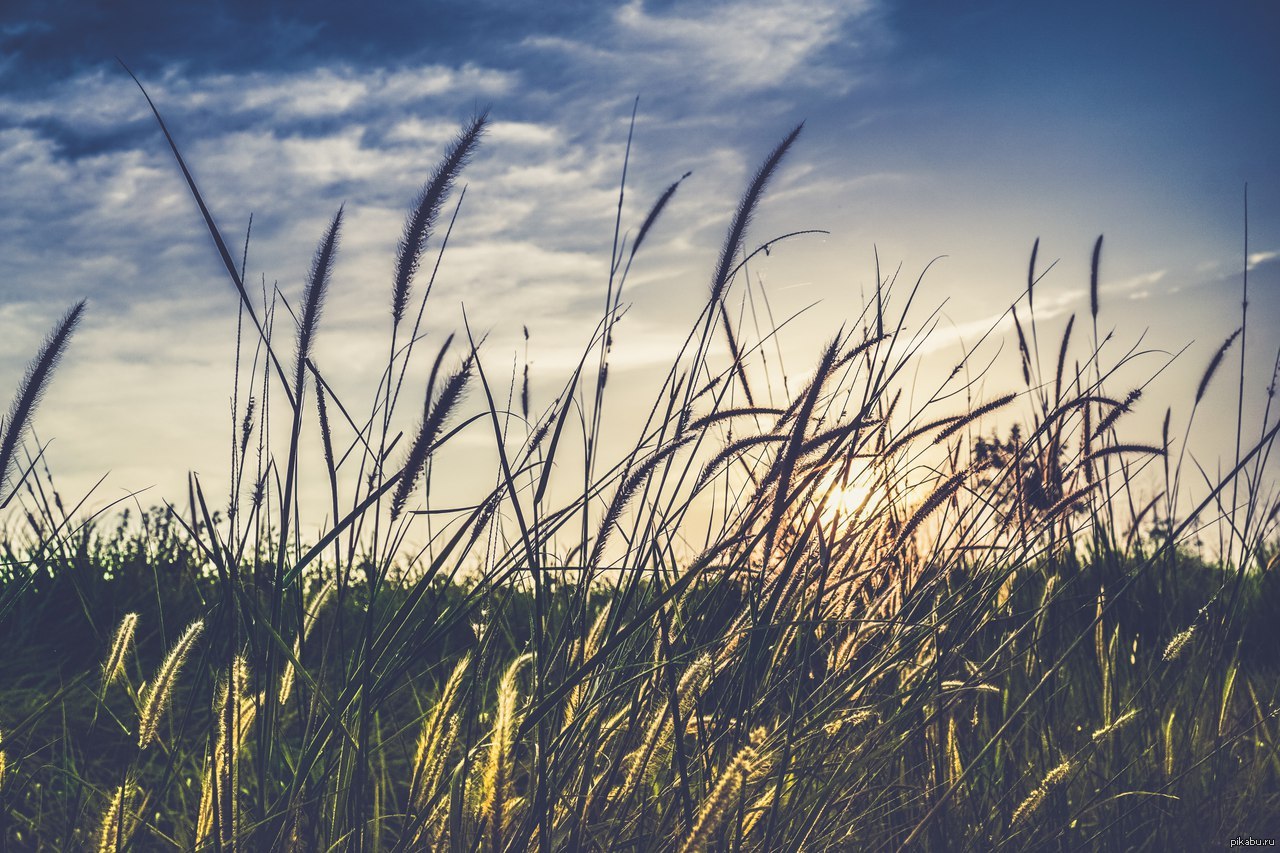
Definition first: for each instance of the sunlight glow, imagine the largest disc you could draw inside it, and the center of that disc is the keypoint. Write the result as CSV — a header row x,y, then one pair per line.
x,y
846,492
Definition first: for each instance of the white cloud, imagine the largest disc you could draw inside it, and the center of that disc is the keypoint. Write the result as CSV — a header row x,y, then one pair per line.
x,y
418,131
334,91
733,46
1257,258
1135,285
91,102
99,101
1228,267
524,133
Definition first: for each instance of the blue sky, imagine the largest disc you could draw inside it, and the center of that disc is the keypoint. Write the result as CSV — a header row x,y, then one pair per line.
x,y
964,130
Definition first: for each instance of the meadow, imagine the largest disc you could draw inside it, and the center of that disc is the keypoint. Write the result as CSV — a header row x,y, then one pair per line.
x,y
800,619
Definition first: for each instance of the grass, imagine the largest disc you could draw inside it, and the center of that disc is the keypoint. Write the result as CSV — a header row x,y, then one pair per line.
x,y
990,643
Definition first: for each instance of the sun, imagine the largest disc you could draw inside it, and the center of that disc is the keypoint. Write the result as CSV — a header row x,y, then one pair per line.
x,y
848,491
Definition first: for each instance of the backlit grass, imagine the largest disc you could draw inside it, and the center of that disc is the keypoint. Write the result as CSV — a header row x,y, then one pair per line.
x,y
977,624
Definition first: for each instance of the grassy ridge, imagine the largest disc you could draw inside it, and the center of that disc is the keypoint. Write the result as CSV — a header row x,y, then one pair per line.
x,y
898,631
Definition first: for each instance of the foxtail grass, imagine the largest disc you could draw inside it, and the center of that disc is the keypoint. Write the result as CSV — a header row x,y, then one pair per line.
x,y
585,653
157,694
716,810
121,643
34,383
497,791
421,222
1029,806
119,819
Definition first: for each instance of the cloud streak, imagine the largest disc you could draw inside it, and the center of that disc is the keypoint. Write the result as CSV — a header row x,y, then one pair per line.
x,y
730,47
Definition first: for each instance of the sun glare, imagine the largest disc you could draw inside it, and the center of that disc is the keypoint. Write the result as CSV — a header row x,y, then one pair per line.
x,y
848,494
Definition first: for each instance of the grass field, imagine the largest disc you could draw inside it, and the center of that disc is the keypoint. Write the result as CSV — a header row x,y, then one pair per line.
x,y
778,621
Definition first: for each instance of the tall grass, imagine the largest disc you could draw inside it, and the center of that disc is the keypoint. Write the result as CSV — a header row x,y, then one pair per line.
x,y
997,645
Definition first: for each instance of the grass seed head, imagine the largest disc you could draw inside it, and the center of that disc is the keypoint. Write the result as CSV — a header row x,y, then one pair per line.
x,y
113,666
721,800
157,696
1035,799
1119,723
1178,644
119,820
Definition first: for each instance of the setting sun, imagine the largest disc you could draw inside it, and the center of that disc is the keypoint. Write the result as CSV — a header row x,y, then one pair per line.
x,y
845,494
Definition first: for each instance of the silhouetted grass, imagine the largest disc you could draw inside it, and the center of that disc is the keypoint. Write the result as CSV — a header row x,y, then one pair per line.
x,y
814,621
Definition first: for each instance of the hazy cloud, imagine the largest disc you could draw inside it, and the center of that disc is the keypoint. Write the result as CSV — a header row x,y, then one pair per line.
x,y
1257,258
733,46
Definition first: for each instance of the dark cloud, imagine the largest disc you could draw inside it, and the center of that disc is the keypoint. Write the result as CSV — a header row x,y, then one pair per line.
x,y
50,40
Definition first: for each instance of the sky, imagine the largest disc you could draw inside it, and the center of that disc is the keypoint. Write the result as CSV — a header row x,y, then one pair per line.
x,y
932,130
